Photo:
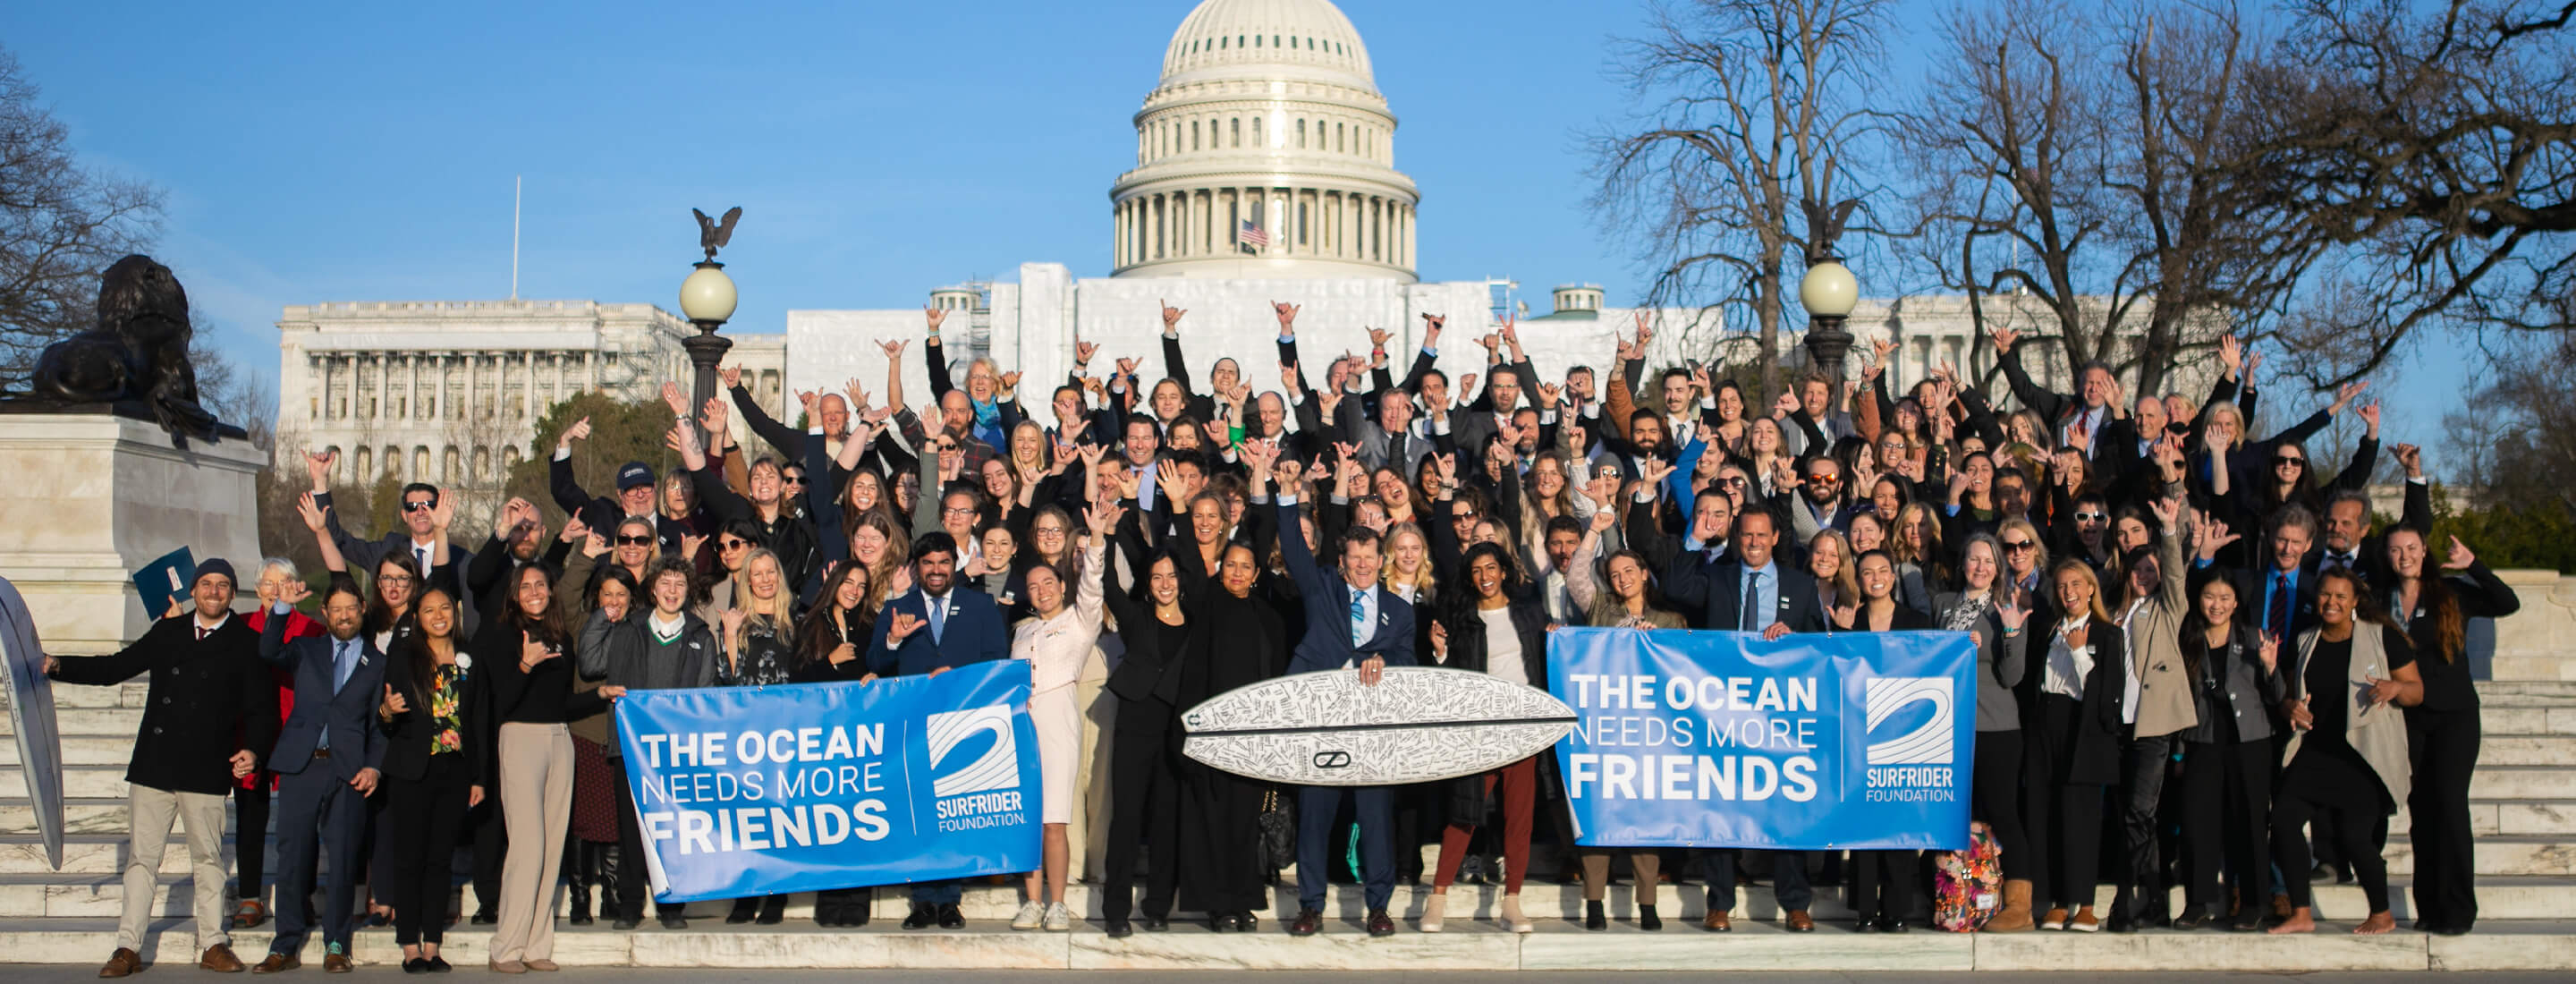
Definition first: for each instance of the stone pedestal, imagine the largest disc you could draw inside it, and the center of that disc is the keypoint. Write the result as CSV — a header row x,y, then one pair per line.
x,y
88,498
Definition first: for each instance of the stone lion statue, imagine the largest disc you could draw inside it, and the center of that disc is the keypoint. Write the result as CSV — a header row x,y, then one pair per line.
x,y
138,352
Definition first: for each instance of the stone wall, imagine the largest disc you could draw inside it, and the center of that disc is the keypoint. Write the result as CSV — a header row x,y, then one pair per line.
x,y
2538,642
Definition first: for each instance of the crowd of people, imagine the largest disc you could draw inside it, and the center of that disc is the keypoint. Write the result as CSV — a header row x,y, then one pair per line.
x,y
2196,656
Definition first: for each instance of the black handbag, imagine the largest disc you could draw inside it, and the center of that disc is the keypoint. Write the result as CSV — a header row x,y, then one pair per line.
x,y
1278,831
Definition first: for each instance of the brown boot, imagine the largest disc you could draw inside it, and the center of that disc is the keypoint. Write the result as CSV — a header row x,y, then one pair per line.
x,y
121,963
2015,918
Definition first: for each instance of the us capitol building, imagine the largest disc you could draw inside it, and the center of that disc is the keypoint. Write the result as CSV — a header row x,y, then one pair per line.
x,y
1265,171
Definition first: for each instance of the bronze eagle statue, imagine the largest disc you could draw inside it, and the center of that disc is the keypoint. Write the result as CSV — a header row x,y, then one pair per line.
x,y
712,235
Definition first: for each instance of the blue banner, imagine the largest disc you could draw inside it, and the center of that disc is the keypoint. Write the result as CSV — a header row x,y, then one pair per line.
x,y
1812,742
759,790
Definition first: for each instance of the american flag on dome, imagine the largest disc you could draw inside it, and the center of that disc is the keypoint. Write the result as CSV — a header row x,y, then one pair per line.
x,y
1250,234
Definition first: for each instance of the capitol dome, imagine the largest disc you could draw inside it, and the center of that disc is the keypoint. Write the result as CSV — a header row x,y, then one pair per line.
x,y
1264,151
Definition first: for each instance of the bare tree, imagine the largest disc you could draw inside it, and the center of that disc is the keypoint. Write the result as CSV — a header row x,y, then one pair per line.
x,y
1753,108
2427,157
60,225
2081,161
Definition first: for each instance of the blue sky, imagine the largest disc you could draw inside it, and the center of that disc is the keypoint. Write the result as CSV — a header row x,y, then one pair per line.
x,y
340,152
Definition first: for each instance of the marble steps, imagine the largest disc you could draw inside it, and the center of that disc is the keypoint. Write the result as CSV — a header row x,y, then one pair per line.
x,y
2500,900
2535,945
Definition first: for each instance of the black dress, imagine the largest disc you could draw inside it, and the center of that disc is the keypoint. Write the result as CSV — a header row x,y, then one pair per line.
x,y
1222,862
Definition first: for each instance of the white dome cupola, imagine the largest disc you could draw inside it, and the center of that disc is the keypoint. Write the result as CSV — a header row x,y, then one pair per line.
x,y
1267,113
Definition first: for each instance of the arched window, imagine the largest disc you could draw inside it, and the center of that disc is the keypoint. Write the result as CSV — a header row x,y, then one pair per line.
x,y
1256,40
365,464
1256,134
1194,134
1301,134
1338,145
1236,125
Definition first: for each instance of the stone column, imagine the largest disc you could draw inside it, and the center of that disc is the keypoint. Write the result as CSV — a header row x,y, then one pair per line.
x,y
528,387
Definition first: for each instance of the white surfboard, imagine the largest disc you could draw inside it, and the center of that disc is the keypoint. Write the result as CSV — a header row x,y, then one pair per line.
x,y
1418,724
31,708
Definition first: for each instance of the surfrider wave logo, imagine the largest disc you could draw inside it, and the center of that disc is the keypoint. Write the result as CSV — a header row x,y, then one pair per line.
x,y
997,768
1930,742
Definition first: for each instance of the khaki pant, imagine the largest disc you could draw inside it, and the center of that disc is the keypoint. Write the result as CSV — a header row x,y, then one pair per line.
x,y
536,807
1087,837
149,813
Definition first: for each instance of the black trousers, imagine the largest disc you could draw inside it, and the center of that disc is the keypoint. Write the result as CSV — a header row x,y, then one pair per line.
x,y
2321,785
2226,800
1222,870
422,819
1789,884
250,835
634,882
1144,807
2066,816
1998,799
2143,762
491,845
1882,884
2444,747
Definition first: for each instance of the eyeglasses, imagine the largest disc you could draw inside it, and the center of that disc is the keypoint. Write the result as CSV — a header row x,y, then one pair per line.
x,y
2017,546
2290,460
394,578
2091,517
421,506
624,540
959,510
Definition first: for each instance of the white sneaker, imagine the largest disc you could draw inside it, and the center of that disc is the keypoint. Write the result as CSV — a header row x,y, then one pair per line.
x,y
1058,918
1032,913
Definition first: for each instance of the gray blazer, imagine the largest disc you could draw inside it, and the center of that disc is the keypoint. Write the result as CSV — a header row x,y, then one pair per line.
x,y
2233,684
2001,661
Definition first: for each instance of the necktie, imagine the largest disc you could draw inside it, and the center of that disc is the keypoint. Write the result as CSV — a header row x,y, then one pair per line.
x,y
2338,560
341,664
201,633
1359,613
1752,613
421,554
2276,616
938,618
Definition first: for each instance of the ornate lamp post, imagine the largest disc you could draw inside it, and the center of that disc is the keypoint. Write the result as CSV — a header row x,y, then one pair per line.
x,y
707,299
1829,292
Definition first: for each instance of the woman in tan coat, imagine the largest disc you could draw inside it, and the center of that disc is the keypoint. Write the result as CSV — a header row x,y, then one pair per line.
x,y
2159,709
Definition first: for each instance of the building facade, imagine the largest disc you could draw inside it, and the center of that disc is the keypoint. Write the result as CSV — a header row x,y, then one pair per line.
x,y
449,392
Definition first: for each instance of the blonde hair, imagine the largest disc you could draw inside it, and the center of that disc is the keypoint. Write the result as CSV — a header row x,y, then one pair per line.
x,y
777,613
1846,585
1424,580
2079,567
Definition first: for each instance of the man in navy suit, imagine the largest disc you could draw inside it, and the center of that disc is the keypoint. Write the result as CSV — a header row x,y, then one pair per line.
x,y
931,629
1353,623
1753,592
328,757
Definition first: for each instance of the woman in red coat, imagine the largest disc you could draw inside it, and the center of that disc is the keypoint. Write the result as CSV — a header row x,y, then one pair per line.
x,y
251,795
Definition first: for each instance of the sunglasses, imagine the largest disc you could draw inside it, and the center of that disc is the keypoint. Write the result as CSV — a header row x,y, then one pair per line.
x,y
732,544
1733,483
2292,460
422,506
793,479
633,541
1824,480
2018,546
2091,517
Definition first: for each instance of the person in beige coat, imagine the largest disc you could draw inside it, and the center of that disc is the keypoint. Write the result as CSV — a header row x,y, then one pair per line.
x,y
2158,707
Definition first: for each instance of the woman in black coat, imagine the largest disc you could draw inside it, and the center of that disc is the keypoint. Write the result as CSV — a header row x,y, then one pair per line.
x,y
1236,638
435,718
1487,626
1882,881
2071,737
830,645
2442,732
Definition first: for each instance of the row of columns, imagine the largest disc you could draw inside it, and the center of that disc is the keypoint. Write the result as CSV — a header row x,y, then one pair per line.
x,y
1300,222
443,464
415,374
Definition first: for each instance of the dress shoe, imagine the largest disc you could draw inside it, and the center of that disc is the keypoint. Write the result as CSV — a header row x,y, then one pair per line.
x,y
507,967
1886,925
743,911
335,963
1647,920
1717,922
219,958
1308,923
1594,918
624,923
124,961
2247,921
1120,929
773,910
1380,924
1864,924
1155,924
1245,922
543,964
950,918
415,965
485,917
1800,922
924,915
2193,917
276,963
674,920
439,964
1221,923
2449,929
2120,922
